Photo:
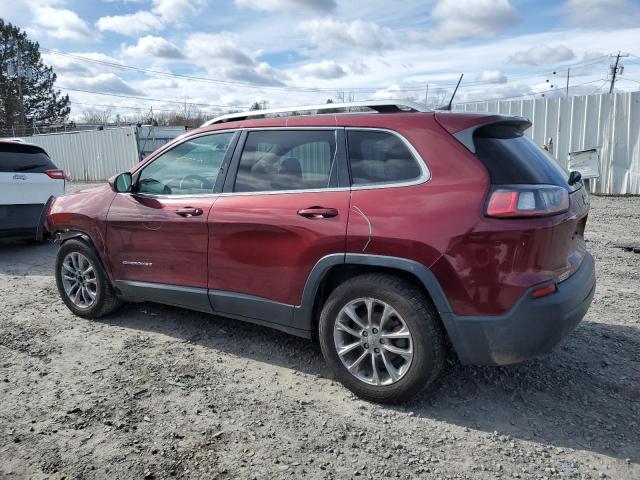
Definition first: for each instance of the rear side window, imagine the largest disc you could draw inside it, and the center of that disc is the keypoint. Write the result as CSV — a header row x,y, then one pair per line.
x,y
380,157
512,158
24,159
275,160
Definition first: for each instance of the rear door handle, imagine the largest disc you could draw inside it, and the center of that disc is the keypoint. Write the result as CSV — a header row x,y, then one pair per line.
x,y
318,212
189,212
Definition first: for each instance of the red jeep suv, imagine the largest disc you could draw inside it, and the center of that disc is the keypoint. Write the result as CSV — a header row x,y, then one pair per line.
x,y
386,231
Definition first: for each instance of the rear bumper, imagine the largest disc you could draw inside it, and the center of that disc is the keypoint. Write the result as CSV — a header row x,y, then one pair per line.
x,y
532,327
20,220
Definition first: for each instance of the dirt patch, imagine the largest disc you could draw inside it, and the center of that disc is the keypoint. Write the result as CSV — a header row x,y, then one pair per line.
x,y
159,392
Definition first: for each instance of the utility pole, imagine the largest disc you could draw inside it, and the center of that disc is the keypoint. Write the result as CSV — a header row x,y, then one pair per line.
x,y
615,69
21,121
426,97
568,73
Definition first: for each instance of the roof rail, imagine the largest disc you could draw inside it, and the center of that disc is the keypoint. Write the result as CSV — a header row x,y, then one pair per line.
x,y
380,106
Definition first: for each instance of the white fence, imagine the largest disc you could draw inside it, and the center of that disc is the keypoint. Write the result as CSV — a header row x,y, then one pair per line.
x,y
608,123
91,155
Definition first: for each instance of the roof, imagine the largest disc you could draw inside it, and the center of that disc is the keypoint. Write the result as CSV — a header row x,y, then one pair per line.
x,y
18,142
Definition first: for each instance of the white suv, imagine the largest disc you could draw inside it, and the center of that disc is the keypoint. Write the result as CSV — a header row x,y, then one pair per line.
x,y
28,180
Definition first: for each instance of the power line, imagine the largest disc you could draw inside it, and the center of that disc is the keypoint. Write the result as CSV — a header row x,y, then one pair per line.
x,y
587,62
628,79
102,105
529,94
178,102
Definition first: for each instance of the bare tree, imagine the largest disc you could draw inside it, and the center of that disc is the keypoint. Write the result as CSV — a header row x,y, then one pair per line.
x,y
342,96
97,117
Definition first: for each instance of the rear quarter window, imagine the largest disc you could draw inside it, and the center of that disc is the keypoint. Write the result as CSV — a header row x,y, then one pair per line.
x,y
23,159
380,157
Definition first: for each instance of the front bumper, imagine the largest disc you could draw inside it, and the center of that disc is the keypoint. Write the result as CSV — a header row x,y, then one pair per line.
x,y
532,327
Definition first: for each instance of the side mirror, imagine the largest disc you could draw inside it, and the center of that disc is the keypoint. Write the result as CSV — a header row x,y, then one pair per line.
x,y
121,183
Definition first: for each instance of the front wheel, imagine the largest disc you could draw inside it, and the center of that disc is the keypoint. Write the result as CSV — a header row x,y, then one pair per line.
x,y
82,282
381,337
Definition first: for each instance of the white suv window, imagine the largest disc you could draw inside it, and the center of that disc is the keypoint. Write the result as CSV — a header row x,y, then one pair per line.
x,y
190,168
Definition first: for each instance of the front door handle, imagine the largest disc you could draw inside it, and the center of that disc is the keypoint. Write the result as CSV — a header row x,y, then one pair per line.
x,y
318,212
189,212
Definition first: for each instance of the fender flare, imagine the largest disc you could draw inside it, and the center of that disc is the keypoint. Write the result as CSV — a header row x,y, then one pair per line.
x,y
63,237
303,314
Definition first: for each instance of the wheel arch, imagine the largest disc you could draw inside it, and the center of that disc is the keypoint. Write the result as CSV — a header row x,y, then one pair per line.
x,y
62,237
332,270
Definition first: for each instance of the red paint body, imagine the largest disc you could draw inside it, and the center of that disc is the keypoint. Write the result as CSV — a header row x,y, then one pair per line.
x,y
258,245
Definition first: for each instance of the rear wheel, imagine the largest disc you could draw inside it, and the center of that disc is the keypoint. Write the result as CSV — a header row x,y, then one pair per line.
x,y
82,282
382,338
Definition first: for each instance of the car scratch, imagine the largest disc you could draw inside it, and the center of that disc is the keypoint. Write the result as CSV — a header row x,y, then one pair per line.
x,y
366,219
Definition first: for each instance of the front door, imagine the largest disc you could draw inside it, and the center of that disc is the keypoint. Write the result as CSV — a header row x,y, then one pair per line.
x,y
281,212
158,234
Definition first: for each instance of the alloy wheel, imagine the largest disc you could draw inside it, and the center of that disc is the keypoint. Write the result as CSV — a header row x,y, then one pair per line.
x,y
79,280
373,342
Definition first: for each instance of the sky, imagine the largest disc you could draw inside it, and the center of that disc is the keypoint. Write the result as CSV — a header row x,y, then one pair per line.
x,y
216,55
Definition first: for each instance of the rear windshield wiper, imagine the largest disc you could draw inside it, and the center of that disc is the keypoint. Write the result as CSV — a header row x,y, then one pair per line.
x,y
29,167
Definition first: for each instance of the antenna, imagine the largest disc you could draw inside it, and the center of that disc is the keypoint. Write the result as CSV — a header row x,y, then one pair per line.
x,y
450,104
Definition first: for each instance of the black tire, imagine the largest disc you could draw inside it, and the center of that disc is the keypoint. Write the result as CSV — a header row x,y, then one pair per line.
x,y
418,314
106,300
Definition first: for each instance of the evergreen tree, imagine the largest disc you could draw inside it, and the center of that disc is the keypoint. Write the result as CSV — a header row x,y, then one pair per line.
x,y
27,94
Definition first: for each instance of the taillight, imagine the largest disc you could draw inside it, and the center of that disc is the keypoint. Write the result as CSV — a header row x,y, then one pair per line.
x,y
514,201
55,173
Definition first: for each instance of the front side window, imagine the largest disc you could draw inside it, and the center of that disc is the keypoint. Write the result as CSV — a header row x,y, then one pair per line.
x,y
380,157
190,168
275,160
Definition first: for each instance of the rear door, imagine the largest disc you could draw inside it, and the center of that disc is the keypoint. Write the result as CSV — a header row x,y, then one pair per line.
x,y
284,207
158,233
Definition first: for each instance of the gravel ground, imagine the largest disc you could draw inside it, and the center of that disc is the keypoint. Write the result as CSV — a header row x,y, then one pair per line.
x,y
156,392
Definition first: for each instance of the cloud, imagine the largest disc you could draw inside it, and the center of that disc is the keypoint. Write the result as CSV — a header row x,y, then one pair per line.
x,y
462,19
132,24
602,13
260,75
211,48
356,34
327,69
358,67
154,47
143,21
317,6
103,82
542,54
492,76
219,54
61,23
66,64
175,10
496,92
394,92
159,83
